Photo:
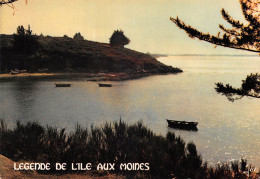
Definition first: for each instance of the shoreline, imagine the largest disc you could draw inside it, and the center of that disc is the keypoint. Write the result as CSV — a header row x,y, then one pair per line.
x,y
88,76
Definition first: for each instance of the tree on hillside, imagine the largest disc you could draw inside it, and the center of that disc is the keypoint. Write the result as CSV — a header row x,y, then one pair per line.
x,y
25,41
118,39
25,44
78,36
241,36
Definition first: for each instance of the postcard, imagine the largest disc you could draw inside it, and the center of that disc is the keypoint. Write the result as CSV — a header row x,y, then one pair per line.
x,y
129,89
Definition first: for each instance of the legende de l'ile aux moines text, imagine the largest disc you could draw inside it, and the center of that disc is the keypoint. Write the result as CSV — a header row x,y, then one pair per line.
x,y
82,166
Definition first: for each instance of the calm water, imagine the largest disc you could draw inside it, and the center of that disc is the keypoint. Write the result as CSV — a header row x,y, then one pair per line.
x,y
226,130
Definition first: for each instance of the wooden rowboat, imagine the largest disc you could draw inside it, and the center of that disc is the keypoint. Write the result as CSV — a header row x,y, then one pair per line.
x,y
184,125
104,85
62,85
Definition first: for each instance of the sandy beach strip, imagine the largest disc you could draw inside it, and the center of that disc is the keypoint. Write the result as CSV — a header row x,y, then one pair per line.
x,y
88,76
8,75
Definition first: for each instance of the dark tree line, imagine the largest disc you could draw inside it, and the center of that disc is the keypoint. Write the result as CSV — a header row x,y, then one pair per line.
x,y
241,36
20,49
24,41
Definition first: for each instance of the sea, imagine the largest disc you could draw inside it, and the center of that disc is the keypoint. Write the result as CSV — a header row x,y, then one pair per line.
x,y
227,131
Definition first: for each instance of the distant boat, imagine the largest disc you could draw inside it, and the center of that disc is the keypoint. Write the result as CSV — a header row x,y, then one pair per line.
x,y
14,72
183,125
62,85
23,71
104,85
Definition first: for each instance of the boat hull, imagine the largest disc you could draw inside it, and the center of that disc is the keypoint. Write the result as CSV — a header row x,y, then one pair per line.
x,y
183,125
104,85
62,85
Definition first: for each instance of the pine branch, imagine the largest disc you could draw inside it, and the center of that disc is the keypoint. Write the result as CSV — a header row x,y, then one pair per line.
x,y
7,2
241,37
230,20
250,87
232,32
248,8
192,32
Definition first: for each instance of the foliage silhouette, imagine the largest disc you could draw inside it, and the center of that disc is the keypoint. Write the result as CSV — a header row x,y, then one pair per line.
x,y
119,39
241,36
78,36
116,142
7,2
24,41
25,44
250,87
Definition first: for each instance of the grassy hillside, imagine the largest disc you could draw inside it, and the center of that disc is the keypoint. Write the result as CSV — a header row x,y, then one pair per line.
x,y
59,54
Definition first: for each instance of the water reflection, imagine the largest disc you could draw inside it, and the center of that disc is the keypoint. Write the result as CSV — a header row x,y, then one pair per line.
x,y
19,98
25,92
225,131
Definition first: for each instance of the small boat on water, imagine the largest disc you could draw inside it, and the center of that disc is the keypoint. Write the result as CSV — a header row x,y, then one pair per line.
x,y
62,85
14,72
184,125
104,85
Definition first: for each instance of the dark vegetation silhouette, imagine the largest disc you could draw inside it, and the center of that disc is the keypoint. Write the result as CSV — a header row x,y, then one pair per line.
x,y
241,36
21,48
250,87
78,36
118,39
116,142
24,41
9,2
25,50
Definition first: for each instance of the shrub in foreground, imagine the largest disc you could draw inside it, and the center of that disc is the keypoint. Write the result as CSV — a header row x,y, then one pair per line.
x,y
115,142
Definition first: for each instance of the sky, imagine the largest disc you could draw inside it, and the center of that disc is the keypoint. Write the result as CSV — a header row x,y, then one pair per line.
x,y
145,22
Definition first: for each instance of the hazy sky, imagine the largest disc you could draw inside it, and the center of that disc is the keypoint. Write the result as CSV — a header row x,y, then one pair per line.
x,y
145,22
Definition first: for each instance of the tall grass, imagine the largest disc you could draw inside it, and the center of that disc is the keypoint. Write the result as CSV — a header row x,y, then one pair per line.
x,y
115,142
